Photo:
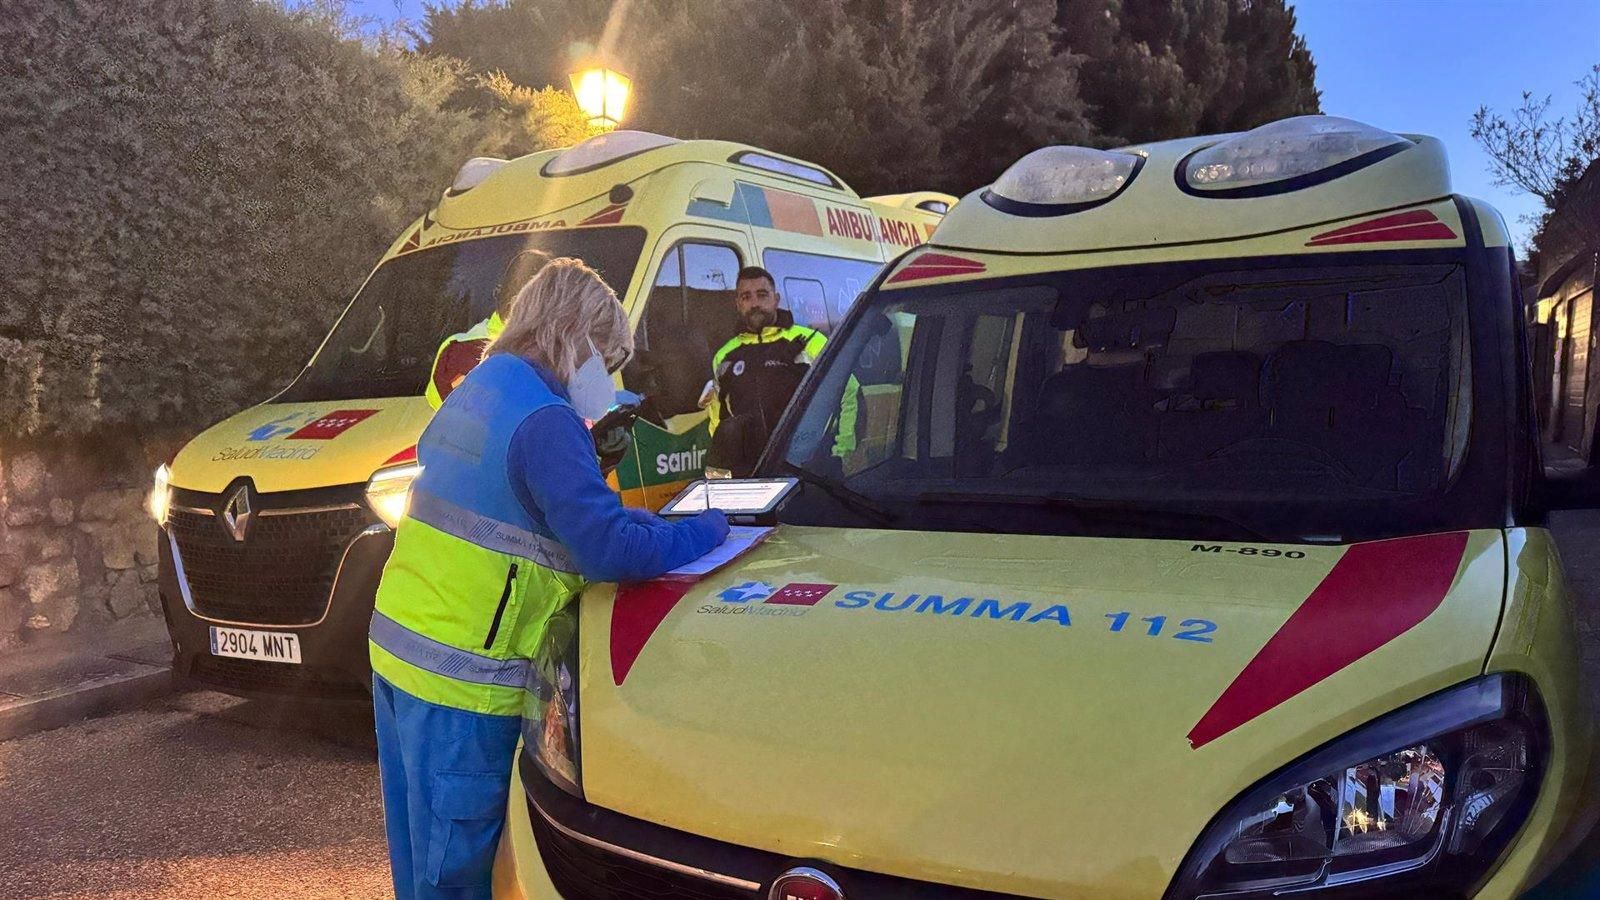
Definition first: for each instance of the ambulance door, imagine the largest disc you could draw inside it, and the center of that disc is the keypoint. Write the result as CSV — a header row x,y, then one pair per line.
x,y
685,315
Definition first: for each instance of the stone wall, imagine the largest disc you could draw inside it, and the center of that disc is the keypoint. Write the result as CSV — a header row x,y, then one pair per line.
x,y
77,548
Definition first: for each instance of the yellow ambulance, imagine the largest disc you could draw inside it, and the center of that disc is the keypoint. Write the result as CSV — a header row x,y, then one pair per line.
x,y
277,521
1189,549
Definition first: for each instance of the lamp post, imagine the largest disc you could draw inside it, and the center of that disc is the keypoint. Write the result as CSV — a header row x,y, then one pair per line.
x,y
602,95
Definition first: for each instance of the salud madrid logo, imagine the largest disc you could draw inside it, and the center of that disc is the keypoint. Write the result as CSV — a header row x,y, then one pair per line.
x,y
759,598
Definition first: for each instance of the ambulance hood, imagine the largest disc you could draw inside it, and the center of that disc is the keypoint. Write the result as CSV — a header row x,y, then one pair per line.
x,y
293,446
1042,716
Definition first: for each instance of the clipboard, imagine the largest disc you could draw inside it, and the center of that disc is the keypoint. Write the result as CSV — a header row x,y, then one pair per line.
x,y
741,540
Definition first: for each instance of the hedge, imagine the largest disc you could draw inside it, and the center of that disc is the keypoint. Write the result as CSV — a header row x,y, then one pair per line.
x,y
193,189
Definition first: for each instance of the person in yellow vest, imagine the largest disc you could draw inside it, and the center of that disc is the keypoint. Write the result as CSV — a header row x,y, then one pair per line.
x,y
754,375
461,352
506,522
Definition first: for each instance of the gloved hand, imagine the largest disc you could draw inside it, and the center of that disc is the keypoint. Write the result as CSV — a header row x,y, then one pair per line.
x,y
612,447
613,435
718,522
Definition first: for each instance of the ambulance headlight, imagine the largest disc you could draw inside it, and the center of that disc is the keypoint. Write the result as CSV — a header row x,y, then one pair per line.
x,y
1058,180
160,499
1422,802
389,491
550,706
1265,159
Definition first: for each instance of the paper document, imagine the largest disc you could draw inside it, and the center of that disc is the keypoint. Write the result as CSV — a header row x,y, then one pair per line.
x,y
741,538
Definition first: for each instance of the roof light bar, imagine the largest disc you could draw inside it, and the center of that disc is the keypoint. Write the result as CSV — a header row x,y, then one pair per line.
x,y
785,167
603,150
1286,155
1058,180
474,172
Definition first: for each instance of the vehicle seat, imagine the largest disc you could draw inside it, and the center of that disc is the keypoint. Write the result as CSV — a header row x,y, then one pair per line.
x,y
1221,407
1338,398
1088,414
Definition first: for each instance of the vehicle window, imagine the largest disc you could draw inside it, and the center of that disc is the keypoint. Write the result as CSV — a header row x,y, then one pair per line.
x,y
688,315
819,289
384,344
807,299
1275,390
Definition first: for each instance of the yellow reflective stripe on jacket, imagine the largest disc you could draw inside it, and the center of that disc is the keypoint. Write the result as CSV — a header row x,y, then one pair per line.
x,y
844,440
814,342
489,534
440,658
812,349
425,685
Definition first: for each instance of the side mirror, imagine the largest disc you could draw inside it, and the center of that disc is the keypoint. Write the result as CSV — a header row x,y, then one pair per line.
x,y
1569,489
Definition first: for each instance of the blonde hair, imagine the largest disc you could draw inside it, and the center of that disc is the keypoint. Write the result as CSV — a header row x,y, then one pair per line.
x,y
557,313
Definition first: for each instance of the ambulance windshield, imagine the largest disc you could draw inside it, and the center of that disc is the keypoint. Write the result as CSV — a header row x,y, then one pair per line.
x,y
1139,401
384,344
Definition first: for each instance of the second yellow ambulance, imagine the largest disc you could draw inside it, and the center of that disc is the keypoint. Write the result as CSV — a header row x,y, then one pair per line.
x,y
276,522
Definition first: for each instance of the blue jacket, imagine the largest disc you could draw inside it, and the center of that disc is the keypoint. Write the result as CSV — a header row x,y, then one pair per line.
x,y
556,478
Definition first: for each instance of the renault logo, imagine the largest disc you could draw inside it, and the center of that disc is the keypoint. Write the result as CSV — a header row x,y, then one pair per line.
x,y
236,513
805,883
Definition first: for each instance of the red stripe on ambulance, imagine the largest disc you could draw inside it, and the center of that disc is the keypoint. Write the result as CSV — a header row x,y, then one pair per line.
x,y
1417,225
1374,593
636,613
937,265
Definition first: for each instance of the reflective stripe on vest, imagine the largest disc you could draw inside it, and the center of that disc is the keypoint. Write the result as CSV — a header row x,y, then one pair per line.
x,y
442,659
490,534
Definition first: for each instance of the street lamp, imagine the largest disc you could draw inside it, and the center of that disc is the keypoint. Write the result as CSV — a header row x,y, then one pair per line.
x,y
602,95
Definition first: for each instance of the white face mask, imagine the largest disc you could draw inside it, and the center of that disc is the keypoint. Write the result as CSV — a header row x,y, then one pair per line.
x,y
591,388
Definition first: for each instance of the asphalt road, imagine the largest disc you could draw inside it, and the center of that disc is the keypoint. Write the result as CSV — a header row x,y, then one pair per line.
x,y
197,795
202,795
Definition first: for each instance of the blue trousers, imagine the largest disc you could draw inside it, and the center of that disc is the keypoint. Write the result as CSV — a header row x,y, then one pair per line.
x,y
445,773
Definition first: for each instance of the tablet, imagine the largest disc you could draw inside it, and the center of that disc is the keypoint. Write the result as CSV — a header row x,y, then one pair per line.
x,y
734,496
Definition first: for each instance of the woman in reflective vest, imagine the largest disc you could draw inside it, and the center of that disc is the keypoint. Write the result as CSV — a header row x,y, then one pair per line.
x,y
507,521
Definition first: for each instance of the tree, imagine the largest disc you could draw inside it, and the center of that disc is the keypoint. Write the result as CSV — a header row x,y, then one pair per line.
x,y
194,188
892,94
903,94
1159,69
1539,154
533,119
531,42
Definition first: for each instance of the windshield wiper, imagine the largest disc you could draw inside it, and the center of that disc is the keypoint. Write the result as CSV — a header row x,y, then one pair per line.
x,y
1095,508
850,499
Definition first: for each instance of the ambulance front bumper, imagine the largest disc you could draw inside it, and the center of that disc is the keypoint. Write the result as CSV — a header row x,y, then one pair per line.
x,y
557,847
329,640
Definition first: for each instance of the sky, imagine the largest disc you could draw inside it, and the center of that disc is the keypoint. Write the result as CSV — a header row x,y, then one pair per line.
x,y
1424,66
1417,66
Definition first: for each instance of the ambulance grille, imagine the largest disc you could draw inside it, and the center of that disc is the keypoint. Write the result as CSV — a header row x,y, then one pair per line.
x,y
581,872
282,573
593,853
306,682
